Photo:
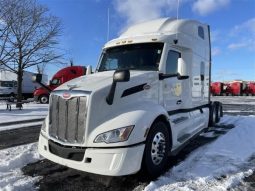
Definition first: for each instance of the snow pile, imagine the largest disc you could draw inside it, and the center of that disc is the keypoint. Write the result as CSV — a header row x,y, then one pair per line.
x,y
11,162
220,165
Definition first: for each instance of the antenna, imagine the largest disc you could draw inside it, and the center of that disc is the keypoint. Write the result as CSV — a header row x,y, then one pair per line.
x,y
178,5
177,18
108,24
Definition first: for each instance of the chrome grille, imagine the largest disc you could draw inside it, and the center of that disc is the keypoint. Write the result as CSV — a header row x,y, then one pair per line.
x,y
68,118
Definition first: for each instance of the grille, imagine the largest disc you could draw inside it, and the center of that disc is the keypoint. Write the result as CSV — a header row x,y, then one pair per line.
x,y
68,118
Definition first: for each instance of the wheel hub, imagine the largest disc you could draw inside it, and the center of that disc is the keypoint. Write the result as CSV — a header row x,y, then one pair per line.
x,y
158,148
44,99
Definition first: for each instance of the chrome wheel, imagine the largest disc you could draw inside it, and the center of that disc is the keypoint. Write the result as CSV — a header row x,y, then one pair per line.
x,y
44,99
158,148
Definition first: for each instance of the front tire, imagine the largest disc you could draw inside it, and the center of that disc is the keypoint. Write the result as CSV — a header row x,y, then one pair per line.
x,y
44,99
156,150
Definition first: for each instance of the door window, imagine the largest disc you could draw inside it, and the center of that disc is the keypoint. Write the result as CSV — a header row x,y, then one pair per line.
x,y
172,62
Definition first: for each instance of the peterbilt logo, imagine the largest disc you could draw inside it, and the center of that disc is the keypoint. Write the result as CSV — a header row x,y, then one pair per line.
x,y
66,95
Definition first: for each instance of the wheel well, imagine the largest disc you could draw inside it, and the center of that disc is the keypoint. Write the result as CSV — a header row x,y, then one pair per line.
x,y
43,95
164,119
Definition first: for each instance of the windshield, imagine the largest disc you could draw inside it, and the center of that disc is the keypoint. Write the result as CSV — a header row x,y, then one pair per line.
x,y
55,81
9,84
144,56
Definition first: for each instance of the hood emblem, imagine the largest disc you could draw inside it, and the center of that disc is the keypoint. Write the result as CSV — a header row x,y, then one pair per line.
x,y
72,86
66,95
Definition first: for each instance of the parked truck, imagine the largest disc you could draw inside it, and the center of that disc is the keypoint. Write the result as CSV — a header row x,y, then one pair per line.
x,y
234,88
217,88
8,84
42,94
248,88
148,97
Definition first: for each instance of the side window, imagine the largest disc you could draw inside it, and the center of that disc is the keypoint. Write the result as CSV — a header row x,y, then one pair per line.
x,y
172,62
201,32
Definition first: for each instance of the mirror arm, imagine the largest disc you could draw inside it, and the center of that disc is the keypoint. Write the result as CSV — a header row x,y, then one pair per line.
x,y
164,76
110,96
182,77
38,79
118,76
45,87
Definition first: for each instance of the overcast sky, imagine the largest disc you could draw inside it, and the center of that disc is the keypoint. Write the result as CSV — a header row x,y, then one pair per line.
x,y
232,25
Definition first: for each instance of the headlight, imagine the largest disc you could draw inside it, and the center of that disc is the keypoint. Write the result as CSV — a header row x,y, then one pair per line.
x,y
114,136
43,128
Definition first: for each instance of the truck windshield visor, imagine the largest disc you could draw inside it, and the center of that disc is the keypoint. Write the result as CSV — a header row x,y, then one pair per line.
x,y
145,56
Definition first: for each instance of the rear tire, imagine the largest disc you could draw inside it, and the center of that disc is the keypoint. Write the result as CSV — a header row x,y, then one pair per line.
x,y
213,115
44,99
219,110
155,155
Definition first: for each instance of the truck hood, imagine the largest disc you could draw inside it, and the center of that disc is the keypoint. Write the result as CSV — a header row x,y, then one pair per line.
x,y
142,88
100,80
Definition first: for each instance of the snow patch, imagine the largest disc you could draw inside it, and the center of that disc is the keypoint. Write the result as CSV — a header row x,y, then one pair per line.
x,y
30,111
11,162
220,165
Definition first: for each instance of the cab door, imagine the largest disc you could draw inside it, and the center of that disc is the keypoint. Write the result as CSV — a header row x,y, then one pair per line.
x,y
174,99
172,87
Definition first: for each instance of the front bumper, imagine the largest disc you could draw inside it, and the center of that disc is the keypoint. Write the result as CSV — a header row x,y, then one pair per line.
x,y
104,161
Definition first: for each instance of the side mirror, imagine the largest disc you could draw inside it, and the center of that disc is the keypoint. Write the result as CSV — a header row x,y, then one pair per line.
x,y
37,78
121,76
89,70
118,76
182,69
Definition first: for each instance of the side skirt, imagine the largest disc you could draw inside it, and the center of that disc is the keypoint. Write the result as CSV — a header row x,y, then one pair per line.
x,y
176,151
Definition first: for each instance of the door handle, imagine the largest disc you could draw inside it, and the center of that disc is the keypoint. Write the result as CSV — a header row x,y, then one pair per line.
x,y
179,102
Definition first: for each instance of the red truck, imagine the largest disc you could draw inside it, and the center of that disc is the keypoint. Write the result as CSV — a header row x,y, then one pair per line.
x,y
248,88
234,88
223,89
42,94
216,88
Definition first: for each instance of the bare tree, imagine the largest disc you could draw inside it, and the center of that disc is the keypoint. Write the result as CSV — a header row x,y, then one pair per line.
x,y
41,68
28,37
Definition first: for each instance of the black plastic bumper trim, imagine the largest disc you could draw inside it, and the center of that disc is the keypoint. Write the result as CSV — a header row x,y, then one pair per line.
x,y
116,147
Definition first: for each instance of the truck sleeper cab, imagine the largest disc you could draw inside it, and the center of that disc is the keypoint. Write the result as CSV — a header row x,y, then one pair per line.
x,y
148,97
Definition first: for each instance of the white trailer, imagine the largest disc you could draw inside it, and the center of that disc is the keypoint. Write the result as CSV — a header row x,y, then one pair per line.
x,y
8,83
147,99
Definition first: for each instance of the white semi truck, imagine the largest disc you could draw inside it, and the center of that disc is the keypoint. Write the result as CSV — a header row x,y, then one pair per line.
x,y
147,99
8,83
